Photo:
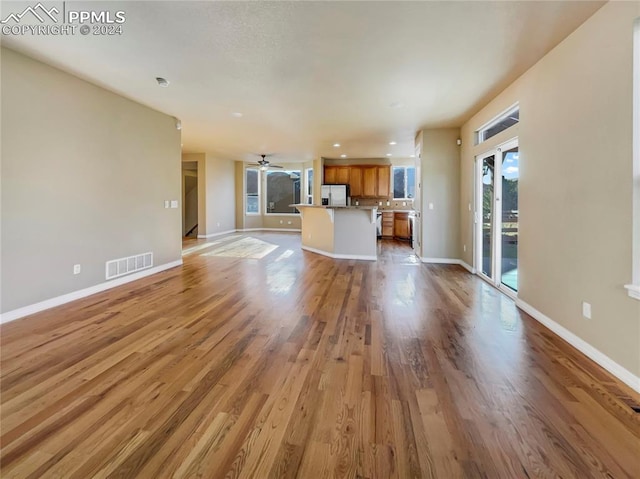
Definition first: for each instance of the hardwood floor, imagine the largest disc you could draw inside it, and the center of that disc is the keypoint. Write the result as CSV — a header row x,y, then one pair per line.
x,y
282,363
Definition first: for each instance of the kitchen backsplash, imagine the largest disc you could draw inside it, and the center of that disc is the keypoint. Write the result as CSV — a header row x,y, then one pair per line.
x,y
395,205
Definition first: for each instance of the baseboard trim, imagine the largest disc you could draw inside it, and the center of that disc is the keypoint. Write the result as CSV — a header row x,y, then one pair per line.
x,y
581,345
340,256
287,230
469,268
82,293
440,260
213,235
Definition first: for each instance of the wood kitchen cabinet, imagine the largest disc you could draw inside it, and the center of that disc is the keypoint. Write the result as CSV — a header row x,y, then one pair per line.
x,y
387,224
369,181
384,181
401,225
355,181
330,175
342,175
336,175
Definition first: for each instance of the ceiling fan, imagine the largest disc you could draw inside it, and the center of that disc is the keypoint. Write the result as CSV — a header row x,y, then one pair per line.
x,y
265,164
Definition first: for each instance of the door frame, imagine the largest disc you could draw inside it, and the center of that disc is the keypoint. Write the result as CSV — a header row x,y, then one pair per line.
x,y
496,221
417,204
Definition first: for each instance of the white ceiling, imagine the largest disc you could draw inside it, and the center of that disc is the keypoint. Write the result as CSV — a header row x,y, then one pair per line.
x,y
306,75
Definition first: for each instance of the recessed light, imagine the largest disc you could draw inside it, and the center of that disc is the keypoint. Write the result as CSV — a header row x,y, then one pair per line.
x,y
336,145
343,156
236,114
392,143
388,154
163,82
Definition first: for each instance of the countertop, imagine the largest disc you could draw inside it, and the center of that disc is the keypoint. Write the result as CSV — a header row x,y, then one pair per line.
x,y
396,211
336,207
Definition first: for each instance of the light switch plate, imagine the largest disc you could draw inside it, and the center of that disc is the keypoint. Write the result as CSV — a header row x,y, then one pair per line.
x,y
166,203
430,206
586,310
174,203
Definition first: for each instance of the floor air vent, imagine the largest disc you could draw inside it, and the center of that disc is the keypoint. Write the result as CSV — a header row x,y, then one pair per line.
x,y
131,264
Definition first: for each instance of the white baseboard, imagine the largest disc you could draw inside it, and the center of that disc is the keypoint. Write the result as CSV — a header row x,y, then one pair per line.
x,y
469,268
340,256
213,235
440,260
288,230
597,356
82,293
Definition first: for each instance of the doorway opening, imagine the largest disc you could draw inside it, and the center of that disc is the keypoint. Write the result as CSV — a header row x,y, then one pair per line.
x,y
190,199
497,215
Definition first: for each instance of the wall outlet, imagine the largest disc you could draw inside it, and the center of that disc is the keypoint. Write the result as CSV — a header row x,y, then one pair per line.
x,y
430,206
174,203
464,247
281,222
166,203
586,310
288,222
76,269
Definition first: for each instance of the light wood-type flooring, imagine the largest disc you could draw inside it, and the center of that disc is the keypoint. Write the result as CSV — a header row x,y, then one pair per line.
x,y
257,360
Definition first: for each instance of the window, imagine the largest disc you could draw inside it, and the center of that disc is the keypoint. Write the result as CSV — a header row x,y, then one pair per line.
x,y
309,187
499,124
283,189
252,191
404,182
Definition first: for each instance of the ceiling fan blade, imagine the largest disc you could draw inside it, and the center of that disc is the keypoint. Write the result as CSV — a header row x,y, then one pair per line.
x,y
254,164
275,166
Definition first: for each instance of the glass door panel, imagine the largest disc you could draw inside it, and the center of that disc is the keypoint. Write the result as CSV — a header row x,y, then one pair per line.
x,y
509,227
488,166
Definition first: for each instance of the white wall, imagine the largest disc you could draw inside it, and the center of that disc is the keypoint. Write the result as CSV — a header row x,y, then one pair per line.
x,y
440,165
85,174
575,200
220,193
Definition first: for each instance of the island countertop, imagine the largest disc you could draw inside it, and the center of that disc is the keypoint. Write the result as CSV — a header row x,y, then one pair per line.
x,y
342,232
335,207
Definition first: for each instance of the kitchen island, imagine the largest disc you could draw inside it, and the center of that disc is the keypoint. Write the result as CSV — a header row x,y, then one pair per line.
x,y
344,232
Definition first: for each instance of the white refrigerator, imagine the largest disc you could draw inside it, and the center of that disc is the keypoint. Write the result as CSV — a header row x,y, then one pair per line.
x,y
335,195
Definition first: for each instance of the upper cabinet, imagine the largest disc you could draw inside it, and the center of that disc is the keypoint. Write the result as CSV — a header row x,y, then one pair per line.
x,y
330,175
355,181
342,175
384,181
369,181
366,181
336,175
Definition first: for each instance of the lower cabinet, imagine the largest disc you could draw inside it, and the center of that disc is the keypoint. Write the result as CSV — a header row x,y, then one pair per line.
x,y
387,224
401,225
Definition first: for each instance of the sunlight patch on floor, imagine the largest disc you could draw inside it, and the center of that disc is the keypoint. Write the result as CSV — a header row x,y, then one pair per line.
x,y
247,247
209,244
284,255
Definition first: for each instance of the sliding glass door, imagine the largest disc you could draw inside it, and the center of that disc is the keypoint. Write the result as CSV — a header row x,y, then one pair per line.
x,y
497,174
